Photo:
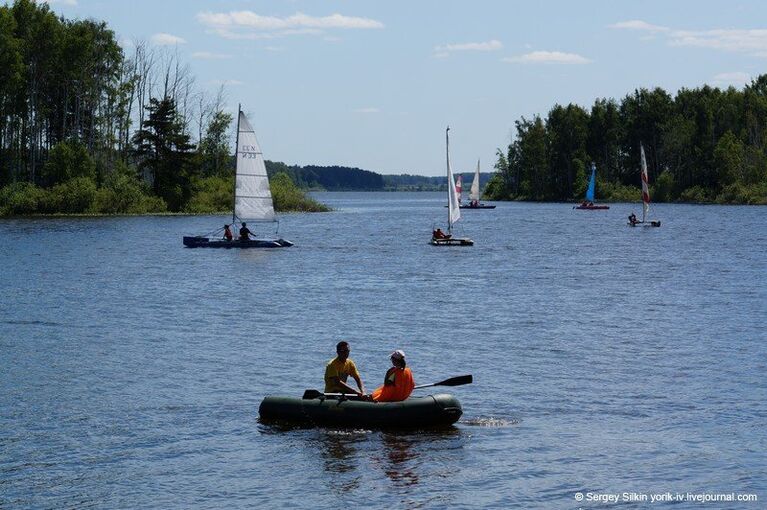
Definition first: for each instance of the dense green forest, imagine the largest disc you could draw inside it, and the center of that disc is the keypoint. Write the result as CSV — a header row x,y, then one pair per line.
x,y
337,178
703,145
86,129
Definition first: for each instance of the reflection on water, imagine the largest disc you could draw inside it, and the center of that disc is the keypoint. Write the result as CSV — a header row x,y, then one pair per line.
x,y
399,459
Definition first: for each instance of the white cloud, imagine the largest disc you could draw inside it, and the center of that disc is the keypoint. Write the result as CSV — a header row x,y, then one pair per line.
x,y
737,78
750,41
753,42
548,57
493,45
207,55
367,110
249,25
166,40
636,24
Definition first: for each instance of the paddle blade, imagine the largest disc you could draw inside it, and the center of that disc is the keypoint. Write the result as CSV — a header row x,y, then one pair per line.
x,y
456,381
312,394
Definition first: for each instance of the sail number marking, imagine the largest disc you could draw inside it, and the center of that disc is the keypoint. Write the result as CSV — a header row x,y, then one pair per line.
x,y
250,152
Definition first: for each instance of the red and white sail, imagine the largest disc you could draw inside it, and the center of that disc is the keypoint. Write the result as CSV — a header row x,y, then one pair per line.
x,y
645,187
459,187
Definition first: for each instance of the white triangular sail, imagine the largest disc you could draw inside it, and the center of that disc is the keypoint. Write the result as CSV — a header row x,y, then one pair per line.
x,y
459,187
252,196
454,208
645,189
474,193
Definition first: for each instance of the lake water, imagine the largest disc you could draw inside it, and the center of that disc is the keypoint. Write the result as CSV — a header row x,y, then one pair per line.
x,y
606,359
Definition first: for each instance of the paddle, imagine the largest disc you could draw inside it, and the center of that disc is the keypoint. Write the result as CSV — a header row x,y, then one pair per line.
x,y
453,381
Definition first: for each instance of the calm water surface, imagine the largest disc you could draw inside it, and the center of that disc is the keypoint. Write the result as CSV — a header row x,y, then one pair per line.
x,y
606,359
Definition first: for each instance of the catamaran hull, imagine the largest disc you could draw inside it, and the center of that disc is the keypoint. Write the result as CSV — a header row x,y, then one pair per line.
x,y
482,206
591,207
204,242
453,241
415,412
654,223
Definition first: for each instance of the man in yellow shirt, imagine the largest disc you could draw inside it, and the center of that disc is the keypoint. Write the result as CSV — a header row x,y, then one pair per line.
x,y
339,369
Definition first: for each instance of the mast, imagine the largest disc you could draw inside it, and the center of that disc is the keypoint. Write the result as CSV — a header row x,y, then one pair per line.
x,y
236,160
449,180
645,184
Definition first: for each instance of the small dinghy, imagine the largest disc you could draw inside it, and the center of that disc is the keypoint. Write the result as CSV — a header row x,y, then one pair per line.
x,y
453,208
633,222
588,203
252,196
319,409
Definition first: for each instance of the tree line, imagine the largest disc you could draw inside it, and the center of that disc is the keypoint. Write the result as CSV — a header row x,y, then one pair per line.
x,y
85,128
702,145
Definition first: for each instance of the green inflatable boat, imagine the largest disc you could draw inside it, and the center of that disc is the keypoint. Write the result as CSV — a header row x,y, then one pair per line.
x,y
319,409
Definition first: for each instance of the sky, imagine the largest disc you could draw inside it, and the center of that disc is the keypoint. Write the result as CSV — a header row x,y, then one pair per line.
x,y
373,84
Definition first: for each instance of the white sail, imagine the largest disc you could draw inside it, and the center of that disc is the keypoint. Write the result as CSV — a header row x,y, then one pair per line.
x,y
459,187
252,196
645,190
454,208
474,193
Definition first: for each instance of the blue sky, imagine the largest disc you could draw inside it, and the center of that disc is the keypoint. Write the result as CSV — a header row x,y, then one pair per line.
x,y
373,84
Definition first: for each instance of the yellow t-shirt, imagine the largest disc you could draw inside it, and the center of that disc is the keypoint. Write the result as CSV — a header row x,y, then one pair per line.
x,y
342,370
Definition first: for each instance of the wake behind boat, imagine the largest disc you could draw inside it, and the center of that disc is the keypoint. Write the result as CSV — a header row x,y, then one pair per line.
x,y
252,196
588,203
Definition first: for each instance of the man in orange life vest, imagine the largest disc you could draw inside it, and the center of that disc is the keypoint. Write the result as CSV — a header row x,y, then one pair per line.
x,y
398,383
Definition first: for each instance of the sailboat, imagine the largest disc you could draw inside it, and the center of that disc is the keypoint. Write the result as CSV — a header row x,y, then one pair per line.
x,y
252,195
459,188
588,203
645,197
453,208
474,194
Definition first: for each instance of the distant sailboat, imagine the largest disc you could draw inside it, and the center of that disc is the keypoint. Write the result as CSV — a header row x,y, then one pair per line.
x,y
459,188
645,196
453,208
252,195
588,203
474,194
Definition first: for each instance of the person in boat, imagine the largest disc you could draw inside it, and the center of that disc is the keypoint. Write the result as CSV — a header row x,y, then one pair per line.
x,y
398,382
633,219
228,233
339,369
438,234
245,232
474,203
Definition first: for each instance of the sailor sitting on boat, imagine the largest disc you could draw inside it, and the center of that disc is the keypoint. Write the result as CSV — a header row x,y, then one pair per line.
x,y
398,383
633,219
245,232
438,234
339,369
227,233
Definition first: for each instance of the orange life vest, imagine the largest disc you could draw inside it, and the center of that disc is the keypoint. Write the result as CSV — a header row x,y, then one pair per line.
x,y
400,390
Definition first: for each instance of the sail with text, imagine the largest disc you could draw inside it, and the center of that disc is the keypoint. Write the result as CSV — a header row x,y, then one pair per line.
x,y
253,197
